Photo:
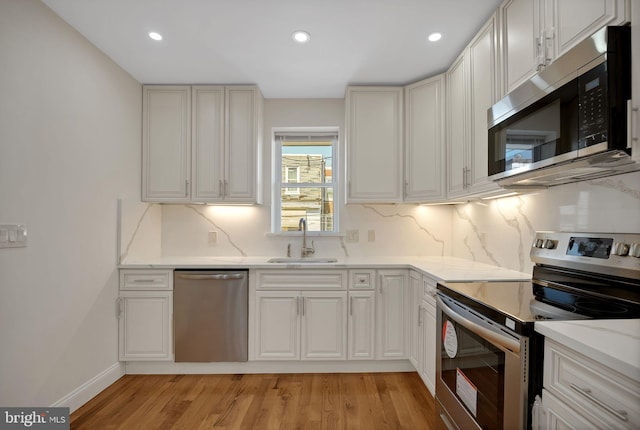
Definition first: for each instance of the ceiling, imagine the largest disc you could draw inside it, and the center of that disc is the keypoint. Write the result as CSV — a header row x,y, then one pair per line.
x,y
249,41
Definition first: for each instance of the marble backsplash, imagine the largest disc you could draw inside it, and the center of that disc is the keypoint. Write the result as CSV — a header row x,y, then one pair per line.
x,y
497,232
500,232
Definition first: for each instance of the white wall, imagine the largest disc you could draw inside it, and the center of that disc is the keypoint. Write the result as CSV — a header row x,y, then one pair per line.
x,y
69,146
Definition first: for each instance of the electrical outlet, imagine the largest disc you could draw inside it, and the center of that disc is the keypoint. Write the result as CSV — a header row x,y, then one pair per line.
x,y
371,235
353,236
213,238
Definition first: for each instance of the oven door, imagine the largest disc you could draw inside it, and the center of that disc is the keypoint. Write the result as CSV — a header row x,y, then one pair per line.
x,y
481,378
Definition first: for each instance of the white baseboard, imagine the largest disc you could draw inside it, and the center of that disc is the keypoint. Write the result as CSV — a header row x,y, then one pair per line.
x,y
91,388
160,367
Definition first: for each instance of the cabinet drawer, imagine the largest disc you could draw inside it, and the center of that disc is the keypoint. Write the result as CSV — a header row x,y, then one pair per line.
x,y
301,279
151,279
362,279
591,388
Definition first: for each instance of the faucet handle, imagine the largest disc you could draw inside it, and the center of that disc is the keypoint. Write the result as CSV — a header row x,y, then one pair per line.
x,y
311,250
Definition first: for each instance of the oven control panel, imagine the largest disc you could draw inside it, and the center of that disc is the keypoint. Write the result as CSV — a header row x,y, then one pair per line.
x,y
615,254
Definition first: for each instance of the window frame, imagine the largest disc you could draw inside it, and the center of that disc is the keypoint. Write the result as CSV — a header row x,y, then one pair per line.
x,y
279,183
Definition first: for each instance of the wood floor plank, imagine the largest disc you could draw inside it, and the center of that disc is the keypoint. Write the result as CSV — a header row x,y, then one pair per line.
x,y
352,401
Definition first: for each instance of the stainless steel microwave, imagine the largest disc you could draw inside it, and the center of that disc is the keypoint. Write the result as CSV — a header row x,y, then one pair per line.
x,y
569,121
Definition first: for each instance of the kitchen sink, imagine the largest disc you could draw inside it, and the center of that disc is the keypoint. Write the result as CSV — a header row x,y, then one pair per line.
x,y
305,260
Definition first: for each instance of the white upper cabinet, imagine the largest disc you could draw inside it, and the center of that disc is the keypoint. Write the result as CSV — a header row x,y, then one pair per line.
x,y
471,91
166,143
243,143
207,125
457,120
201,144
483,93
536,32
575,20
374,118
521,51
424,151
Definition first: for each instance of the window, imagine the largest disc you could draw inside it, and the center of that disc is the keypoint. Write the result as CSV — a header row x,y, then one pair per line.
x,y
305,181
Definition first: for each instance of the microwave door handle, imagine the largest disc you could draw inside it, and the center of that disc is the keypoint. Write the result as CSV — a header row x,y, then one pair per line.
x,y
497,339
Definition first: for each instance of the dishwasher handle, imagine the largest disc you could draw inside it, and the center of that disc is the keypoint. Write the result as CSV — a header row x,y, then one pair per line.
x,y
207,277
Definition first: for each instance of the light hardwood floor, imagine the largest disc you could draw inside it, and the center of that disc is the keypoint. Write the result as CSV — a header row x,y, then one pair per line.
x,y
366,401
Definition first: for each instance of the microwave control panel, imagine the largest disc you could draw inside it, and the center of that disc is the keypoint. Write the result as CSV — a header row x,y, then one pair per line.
x,y
592,93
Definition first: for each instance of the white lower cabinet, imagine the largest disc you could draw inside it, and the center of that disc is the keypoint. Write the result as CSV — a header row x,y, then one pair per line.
x,y
580,393
145,323
361,332
312,315
300,325
423,327
428,368
392,321
277,325
145,315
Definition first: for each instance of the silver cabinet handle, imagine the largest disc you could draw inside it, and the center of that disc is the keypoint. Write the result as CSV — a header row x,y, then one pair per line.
x,y
186,188
419,316
217,277
226,186
381,291
351,306
585,392
406,187
220,188
303,306
297,305
143,281
119,304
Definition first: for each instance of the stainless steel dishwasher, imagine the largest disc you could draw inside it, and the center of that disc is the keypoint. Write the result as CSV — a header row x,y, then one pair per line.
x,y
210,311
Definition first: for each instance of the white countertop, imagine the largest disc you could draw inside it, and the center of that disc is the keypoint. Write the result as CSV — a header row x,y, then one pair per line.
x,y
439,268
614,343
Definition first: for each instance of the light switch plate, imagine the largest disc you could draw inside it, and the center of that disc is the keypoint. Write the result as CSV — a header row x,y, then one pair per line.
x,y
13,235
213,238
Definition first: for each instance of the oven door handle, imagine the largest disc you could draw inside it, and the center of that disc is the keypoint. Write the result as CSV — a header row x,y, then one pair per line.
x,y
480,329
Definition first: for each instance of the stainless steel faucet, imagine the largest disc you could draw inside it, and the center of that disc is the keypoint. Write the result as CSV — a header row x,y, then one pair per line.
x,y
305,252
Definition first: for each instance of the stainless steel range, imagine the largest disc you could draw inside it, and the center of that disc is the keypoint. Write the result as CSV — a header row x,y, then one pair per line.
x,y
489,359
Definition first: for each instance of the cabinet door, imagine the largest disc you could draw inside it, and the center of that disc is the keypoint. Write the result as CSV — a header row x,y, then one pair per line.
x,y
424,141
362,322
324,325
207,143
392,322
521,49
415,297
482,55
144,326
457,106
429,346
166,140
575,20
374,144
243,136
277,325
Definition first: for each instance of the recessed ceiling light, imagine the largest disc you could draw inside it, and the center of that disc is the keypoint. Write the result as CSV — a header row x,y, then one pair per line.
x,y
433,37
301,36
155,36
